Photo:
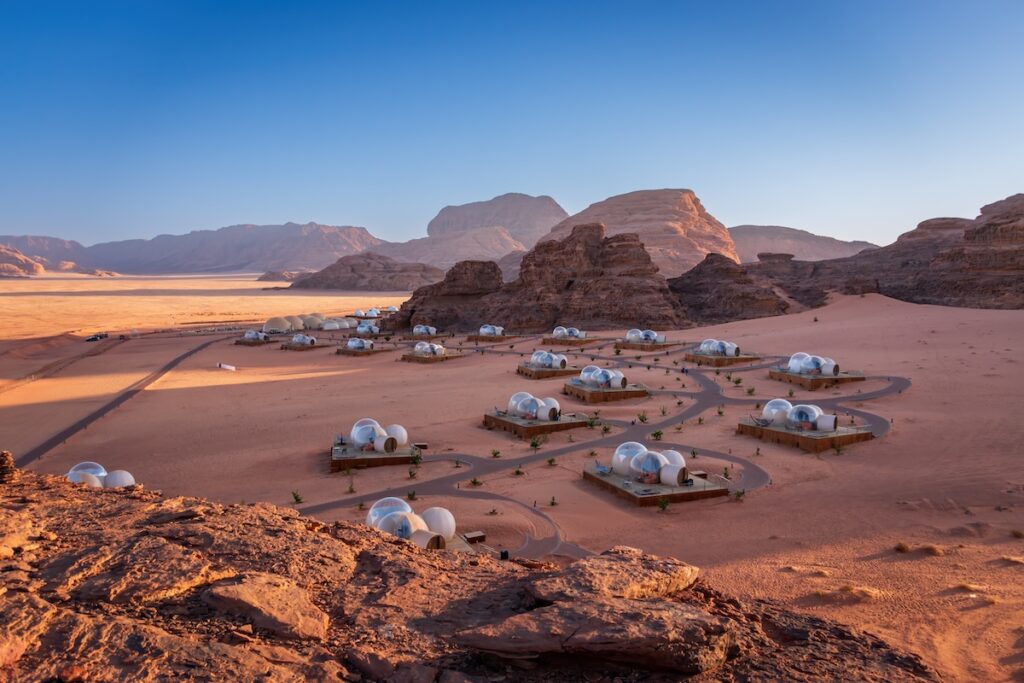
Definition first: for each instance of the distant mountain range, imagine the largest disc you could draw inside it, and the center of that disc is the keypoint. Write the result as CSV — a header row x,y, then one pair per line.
x,y
673,225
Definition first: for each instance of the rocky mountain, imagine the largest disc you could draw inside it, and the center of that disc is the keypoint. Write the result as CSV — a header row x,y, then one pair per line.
x,y
509,264
718,290
526,218
444,251
672,224
597,282
235,248
13,263
975,263
371,272
752,240
46,249
108,585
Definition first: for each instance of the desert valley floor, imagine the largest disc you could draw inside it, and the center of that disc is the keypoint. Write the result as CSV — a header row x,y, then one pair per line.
x,y
814,532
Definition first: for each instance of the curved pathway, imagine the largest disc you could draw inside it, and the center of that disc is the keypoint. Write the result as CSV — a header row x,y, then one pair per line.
x,y
709,396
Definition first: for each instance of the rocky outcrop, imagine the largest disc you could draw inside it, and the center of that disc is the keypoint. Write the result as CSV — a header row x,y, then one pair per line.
x,y
371,272
46,249
281,276
124,584
238,248
526,218
444,251
597,282
509,264
673,225
15,264
945,261
752,240
720,290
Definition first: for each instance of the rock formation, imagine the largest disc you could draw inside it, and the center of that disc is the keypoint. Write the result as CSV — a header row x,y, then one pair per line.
x,y
124,584
946,261
371,272
46,249
509,264
444,251
15,264
719,290
281,276
526,218
672,224
752,240
595,281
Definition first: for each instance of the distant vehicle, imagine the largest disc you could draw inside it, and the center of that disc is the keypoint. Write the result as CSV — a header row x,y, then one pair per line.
x,y
96,337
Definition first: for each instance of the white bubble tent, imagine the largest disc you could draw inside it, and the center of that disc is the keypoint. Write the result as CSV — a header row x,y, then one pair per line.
x,y
548,360
780,413
717,347
368,435
594,377
311,321
435,528
491,331
568,333
428,349
424,330
94,475
801,363
636,462
357,344
525,406
638,336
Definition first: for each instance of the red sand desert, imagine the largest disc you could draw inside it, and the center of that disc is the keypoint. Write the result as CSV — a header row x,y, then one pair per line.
x,y
813,532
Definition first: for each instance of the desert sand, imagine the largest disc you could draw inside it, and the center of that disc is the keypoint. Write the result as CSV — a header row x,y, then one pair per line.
x,y
814,532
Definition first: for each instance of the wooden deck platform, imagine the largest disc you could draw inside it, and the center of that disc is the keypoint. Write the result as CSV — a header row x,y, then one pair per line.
x,y
301,347
648,495
590,395
527,429
545,373
810,441
424,337
341,459
344,351
568,341
814,382
413,358
253,342
496,340
719,361
645,346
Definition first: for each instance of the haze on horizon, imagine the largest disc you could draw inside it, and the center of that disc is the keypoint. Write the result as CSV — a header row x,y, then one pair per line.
x,y
124,119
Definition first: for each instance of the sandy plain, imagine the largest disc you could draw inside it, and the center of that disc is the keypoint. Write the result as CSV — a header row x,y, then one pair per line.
x,y
816,532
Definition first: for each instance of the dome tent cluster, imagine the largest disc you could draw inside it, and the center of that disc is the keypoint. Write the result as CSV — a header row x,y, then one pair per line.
x,y
491,331
717,347
634,460
367,435
96,476
313,321
423,348
781,413
433,529
548,359
602,378
426,330
801,363
644,336
568,333
526,406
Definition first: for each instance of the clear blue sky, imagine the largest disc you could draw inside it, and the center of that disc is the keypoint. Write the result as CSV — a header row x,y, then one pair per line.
x,y
856,119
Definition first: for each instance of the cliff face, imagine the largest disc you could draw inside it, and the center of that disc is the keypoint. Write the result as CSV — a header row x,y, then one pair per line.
x,y
673,226
587,278
752,240
112,585
371,272
526,218
719,290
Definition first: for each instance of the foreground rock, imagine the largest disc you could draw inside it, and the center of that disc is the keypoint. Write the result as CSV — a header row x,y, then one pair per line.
x,y
115,585
752,240
595,281
371,272
673,226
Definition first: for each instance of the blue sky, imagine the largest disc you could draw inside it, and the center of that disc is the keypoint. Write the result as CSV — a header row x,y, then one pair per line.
x,y
131,119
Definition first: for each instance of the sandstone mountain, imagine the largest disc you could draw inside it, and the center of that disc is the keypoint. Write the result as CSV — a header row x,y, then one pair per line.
x,y
587,278
509,264
526,218
47,249
235,248
752,240
371,272
672,224
13,263
975,263
718,290
107,585
444,251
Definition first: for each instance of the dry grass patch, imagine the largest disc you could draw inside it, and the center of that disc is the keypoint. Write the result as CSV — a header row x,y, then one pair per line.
x,y
970,587
901,547
850,593
933,550
1013,559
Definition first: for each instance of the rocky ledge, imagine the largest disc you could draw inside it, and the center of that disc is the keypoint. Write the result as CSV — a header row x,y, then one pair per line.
x,y
125,584
371,272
